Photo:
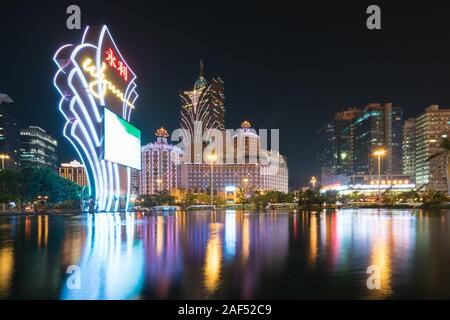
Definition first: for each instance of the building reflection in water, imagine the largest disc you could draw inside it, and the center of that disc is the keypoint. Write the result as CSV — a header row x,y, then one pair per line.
x,y
213,259
112,263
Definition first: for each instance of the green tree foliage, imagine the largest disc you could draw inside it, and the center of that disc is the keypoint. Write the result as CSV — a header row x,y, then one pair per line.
x,y
27,184
432,197
187,199
152,200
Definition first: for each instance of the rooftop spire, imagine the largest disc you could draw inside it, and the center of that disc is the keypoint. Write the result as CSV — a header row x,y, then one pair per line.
x,y
201,69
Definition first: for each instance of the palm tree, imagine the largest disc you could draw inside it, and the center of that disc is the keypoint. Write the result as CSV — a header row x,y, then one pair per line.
x,y
445,146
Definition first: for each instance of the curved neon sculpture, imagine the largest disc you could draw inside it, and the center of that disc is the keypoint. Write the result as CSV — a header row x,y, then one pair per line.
x,y
93,76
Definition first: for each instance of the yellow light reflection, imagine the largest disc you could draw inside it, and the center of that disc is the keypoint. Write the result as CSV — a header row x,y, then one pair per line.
x,y
213,259
313,240
6,269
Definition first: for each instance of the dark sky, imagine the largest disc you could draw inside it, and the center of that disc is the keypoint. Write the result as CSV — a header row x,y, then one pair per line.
x,y
284,66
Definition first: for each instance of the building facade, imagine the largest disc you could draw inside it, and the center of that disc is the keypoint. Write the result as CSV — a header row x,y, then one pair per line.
x,y
431,126
74,171
336,156
409,148
37,148
252,169
378,126
9,133
160,166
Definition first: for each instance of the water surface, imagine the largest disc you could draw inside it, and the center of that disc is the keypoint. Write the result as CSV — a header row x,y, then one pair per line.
x,y
226,255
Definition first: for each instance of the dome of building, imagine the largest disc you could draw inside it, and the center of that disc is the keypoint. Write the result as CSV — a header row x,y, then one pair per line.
x,y
161,133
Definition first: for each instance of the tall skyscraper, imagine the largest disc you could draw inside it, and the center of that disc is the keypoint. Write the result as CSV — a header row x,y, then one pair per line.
x,y
378,126
203,104
335,158
9,132
409,148
431,127
37,148
160,166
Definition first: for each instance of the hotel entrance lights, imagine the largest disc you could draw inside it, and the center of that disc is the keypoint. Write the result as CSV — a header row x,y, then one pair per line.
x,y
313,182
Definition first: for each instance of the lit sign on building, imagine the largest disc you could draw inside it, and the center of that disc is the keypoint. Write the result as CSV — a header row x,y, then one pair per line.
x,y
98,93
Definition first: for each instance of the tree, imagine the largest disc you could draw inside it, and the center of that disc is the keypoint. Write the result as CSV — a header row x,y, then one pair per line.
x,y
432,197
187,199
11,187
242,198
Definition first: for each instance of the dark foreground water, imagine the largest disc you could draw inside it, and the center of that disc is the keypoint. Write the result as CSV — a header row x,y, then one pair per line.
x,y
226,255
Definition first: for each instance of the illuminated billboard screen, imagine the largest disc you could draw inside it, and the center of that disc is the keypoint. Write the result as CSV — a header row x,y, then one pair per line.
x,y
122,141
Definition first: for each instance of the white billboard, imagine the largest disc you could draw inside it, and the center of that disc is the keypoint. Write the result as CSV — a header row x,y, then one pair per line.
x,y
122,141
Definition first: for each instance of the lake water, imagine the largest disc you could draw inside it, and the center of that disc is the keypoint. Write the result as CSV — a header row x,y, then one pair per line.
x,y
227,255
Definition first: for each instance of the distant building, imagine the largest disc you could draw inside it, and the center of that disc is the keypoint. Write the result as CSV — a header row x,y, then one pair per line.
x,y
74,171
205,104
409,148
9,132
37,148
160,170
431,127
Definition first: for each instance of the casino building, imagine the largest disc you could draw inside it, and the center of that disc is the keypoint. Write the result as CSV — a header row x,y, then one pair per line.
x,y
160,170
251,169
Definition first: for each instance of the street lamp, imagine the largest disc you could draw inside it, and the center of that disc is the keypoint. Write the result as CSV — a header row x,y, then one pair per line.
x,y
212,157
4,157
313,182
379,153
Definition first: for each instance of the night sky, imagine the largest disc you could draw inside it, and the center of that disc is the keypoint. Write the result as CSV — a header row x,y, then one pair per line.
x,y
284,67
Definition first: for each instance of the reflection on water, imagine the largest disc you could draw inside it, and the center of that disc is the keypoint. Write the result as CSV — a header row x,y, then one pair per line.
x,y
228,254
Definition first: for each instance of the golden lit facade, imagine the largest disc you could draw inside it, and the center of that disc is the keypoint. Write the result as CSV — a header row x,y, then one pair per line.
x,y
74,171
160,166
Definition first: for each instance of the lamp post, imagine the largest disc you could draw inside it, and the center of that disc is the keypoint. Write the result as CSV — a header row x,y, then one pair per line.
x,y
212,157
245,181
313,182
4,157
379,153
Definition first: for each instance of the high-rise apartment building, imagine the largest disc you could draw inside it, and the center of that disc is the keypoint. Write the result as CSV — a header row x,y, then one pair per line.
x,y
9,133
37,148
431,127
409,148
160,166
74,171
202,108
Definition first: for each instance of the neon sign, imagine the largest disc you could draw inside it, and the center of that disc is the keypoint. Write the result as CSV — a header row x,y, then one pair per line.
x,y
100,81
92,78
115,63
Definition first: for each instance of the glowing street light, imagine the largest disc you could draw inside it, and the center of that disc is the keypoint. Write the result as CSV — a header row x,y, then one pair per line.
x,y
212,157
379,153
313,181
4,157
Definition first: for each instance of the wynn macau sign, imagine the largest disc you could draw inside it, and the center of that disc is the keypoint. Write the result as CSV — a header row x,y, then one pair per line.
x,y
98,95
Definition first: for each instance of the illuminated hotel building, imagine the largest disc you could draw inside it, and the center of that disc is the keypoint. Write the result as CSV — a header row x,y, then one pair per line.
x,y
252,169
74,171
37,148
205,104
409,148
9,132
431,126
159,165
